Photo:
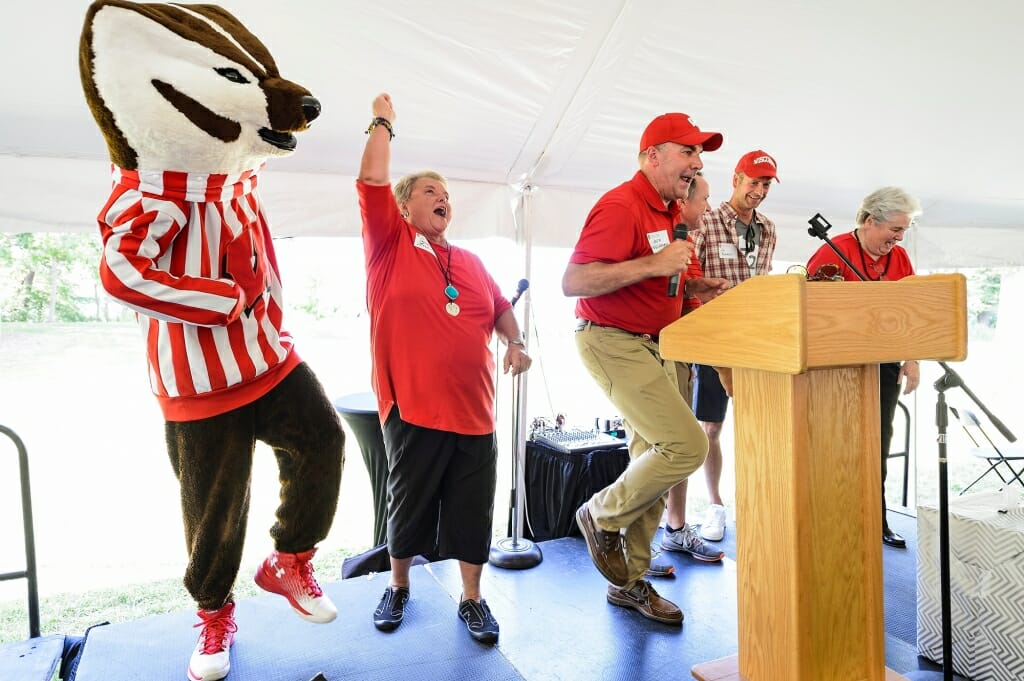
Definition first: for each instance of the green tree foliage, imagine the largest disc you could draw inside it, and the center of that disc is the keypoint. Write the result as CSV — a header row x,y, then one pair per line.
x,y
48,277
983,289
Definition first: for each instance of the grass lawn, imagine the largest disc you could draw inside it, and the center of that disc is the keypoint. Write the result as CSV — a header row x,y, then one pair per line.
x,y
109,540
108,533
73,613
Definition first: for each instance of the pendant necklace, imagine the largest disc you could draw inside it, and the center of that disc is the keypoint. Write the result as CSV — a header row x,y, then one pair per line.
x,y
450,292
864,264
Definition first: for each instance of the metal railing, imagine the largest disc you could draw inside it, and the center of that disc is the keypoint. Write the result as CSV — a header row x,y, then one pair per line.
x,y
29,573
905,452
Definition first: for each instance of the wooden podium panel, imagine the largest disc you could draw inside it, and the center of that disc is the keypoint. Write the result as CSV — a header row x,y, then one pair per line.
x,y
783,323
808,481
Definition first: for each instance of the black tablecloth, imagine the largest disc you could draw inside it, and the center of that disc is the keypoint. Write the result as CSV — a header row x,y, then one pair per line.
x,y
360,413
558,483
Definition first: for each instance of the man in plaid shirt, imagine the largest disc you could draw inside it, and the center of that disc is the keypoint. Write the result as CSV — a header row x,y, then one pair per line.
x,y
737,242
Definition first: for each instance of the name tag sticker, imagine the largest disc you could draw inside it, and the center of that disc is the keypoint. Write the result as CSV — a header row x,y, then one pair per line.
x,y
728,252
421,242
658,240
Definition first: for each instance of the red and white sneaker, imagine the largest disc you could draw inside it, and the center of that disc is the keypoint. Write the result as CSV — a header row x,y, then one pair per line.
x,y
291,575
211,659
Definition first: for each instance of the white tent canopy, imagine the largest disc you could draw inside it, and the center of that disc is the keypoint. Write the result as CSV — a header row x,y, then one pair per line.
x,y
848,97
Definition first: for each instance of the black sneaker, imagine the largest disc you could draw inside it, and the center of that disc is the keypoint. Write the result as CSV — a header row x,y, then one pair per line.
x,y
479,620
391,608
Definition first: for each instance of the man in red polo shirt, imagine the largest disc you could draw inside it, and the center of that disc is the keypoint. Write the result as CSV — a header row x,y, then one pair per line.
x,y
620,270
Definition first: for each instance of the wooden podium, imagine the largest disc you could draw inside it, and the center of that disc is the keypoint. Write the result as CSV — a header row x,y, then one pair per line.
x,y
808,481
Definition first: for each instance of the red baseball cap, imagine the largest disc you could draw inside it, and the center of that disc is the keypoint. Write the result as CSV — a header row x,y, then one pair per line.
x,y
758,164
678,128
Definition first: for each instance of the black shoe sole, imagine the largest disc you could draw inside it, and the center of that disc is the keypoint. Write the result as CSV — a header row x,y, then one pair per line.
x,y
486,637
386,625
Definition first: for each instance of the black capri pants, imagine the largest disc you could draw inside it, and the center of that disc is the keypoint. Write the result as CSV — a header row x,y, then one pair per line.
x,y
440,491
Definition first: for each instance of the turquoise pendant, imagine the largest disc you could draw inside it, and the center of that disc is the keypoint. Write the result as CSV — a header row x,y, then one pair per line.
x,y
451,292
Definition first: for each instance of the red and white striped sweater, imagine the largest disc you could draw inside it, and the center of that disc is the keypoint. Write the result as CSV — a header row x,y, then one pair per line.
x,y
192,255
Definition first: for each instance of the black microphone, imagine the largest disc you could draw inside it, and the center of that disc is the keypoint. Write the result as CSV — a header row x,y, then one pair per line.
x,y
520,290
678,232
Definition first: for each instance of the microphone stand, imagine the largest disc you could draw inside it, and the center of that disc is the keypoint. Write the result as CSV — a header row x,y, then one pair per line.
x,y
819,228
949,379
515,552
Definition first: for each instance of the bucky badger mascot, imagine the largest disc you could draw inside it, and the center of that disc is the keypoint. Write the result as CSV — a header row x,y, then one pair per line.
x,y
191,105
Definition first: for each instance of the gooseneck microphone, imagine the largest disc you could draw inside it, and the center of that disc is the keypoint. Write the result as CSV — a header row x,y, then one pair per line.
x,y
679,232
520,290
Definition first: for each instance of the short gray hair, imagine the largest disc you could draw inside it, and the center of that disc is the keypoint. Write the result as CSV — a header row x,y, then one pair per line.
x,y
403,188
882,204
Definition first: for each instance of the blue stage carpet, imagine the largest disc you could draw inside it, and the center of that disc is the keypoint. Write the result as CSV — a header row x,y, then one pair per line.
x,y
555,625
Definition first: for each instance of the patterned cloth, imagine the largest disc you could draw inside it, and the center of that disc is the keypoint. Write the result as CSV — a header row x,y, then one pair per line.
x,y
719,250
192,255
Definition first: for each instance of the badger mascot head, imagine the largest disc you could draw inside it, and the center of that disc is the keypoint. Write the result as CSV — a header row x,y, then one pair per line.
x,y
187,87
191,105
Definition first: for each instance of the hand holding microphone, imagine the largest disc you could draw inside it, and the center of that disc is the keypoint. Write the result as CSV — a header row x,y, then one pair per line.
x,y
679,233
520,290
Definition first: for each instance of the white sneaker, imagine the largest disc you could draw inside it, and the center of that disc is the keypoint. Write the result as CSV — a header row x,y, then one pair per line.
x,y
713,527
211,659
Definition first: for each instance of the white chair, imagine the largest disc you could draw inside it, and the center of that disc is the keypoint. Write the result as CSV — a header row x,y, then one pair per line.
x,y
1007,463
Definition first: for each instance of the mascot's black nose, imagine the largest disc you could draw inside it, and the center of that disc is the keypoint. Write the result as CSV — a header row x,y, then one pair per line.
x,y
310,107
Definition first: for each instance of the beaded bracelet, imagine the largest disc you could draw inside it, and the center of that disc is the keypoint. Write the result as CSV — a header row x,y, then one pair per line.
x,y
380,120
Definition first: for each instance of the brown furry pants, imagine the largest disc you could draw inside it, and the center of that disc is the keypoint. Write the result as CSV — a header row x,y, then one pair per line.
x,y
212,459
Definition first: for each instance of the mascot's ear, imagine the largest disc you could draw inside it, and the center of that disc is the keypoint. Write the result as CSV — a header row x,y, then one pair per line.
x,y
186,87
121,153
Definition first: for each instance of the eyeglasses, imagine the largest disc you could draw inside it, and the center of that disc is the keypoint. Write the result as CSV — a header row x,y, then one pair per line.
x,y
749,246
748,241
827,272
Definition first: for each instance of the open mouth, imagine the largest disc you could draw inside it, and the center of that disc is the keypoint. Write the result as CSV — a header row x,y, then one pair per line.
x,y
442,211
281,140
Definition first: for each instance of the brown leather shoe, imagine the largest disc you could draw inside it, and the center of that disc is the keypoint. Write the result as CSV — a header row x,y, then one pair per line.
x,y
605,548
645,600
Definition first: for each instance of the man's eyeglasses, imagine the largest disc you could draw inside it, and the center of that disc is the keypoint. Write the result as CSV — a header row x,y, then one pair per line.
x,y
749,246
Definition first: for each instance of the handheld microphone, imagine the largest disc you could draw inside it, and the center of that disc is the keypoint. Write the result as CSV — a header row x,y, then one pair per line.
x,y
520,290
678,232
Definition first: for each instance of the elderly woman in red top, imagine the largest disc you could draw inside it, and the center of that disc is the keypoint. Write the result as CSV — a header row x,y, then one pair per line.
x,y
873,247
433,310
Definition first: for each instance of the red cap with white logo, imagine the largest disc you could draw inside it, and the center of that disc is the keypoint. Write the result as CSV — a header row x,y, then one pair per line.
x,y
678,128
758,164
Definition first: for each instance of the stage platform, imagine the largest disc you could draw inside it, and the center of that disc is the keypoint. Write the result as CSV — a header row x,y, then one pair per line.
x,y
555,625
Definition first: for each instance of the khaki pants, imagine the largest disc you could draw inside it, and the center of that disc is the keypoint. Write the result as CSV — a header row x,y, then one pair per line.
x,y
666,444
